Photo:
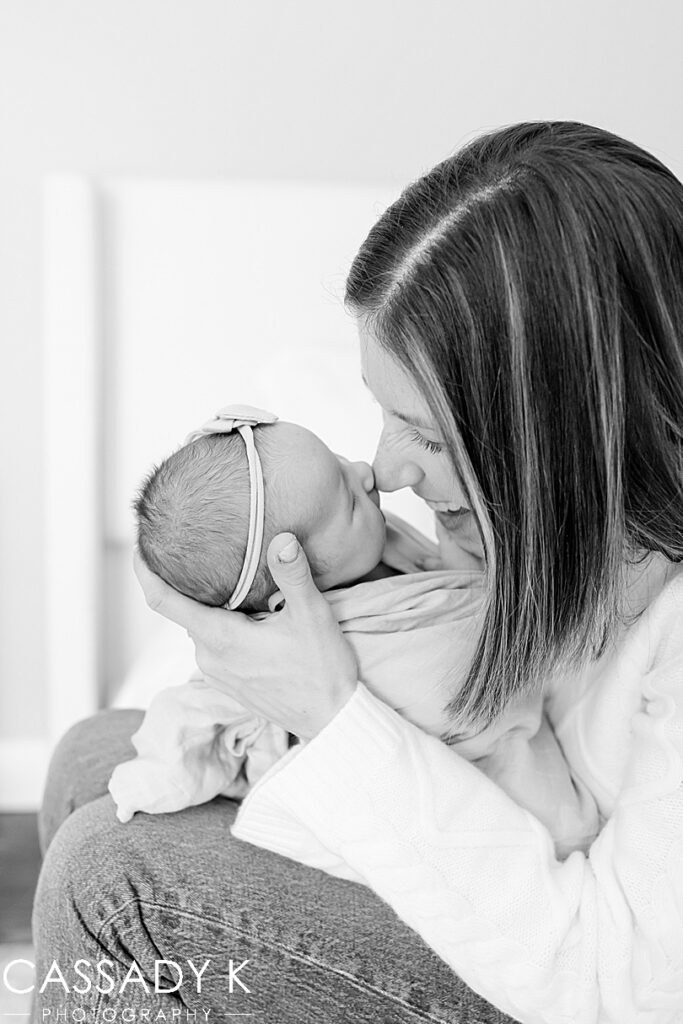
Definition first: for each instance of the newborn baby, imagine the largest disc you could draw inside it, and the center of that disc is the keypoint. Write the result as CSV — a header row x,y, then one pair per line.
x,y
205,518
193,519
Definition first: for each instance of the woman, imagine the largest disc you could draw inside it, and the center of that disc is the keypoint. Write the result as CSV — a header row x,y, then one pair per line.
x,y
521,317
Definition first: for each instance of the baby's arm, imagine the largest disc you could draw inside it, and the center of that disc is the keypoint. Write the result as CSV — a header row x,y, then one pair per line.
x,y
195,743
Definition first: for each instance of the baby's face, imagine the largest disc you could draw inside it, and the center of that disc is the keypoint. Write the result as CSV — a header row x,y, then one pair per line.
x,y
337,509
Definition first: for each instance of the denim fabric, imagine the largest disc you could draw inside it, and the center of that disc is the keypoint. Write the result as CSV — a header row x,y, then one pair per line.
x,y
178,887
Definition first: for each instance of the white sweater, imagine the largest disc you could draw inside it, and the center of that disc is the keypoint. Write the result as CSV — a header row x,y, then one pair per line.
x,y
595,938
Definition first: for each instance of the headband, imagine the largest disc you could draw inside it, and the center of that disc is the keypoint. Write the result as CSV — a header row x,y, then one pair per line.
x,y
244,418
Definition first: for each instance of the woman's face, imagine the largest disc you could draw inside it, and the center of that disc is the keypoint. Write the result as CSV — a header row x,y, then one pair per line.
x,y
410,452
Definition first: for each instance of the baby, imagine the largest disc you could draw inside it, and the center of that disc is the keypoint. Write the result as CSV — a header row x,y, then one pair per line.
x,y
193,520
205,518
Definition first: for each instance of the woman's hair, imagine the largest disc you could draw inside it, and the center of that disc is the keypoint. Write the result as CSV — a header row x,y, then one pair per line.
x,y
532,287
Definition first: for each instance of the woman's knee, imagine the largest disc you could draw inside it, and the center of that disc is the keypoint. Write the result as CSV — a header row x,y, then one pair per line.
x,y
77,877
94,868
92,887
82,763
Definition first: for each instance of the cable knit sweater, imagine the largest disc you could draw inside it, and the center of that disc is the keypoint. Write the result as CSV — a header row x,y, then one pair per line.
x,y
595,938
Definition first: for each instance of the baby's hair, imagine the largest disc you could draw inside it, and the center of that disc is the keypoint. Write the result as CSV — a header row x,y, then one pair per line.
x,y
193,519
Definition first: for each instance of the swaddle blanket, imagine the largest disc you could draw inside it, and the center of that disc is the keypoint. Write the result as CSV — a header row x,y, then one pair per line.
x,y
414,636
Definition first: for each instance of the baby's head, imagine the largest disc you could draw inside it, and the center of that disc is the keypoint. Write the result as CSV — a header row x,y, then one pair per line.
x,y
193,513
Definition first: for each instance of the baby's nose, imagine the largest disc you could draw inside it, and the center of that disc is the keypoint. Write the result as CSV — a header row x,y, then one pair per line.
x,y
364,473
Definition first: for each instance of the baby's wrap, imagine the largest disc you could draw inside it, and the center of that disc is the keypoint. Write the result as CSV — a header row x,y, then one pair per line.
x,y
414,636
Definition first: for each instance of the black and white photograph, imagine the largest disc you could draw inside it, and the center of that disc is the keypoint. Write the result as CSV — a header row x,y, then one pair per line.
x,y
341,513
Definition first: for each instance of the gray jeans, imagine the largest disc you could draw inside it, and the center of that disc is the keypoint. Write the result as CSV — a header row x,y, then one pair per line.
x,y
284,943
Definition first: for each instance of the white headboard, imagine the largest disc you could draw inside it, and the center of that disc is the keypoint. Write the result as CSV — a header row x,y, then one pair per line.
x,y
165,300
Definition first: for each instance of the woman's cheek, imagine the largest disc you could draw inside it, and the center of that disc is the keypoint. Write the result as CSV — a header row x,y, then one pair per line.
x,y
446,480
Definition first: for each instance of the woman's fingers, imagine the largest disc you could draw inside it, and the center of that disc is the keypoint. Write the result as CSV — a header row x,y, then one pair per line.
x,y
200,621
292,574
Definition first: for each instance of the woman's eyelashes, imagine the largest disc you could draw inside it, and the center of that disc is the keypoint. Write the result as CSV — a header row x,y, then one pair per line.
x,y
431,446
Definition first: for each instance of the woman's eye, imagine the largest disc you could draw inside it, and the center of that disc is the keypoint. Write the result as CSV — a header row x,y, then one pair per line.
x,y
431,446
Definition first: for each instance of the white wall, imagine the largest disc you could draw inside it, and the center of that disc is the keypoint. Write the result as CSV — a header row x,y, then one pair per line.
x,y
362,90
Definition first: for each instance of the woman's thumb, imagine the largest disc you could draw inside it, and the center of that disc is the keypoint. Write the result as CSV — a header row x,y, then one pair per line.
x,y
291,571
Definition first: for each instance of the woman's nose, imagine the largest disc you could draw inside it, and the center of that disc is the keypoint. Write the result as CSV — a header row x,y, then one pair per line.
x,y
364,473
392,472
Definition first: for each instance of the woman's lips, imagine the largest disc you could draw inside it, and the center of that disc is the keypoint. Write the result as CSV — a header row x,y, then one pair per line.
x,y
452,519
443,506
453,522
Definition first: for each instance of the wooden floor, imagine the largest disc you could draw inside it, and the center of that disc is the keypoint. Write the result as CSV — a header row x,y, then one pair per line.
x,y
19,867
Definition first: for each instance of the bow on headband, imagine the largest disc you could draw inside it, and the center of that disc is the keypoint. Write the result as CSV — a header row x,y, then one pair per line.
x,y
243,418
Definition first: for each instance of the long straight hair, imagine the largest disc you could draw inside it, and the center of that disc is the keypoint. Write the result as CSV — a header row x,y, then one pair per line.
x,y
532,286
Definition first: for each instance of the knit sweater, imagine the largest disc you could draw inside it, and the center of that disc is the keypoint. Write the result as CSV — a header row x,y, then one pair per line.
x,y
595,938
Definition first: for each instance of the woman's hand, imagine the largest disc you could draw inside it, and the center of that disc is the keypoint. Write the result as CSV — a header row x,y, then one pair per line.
x,y
293,668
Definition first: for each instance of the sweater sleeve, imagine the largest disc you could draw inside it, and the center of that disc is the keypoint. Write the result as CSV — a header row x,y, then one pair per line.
x,y
596,938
